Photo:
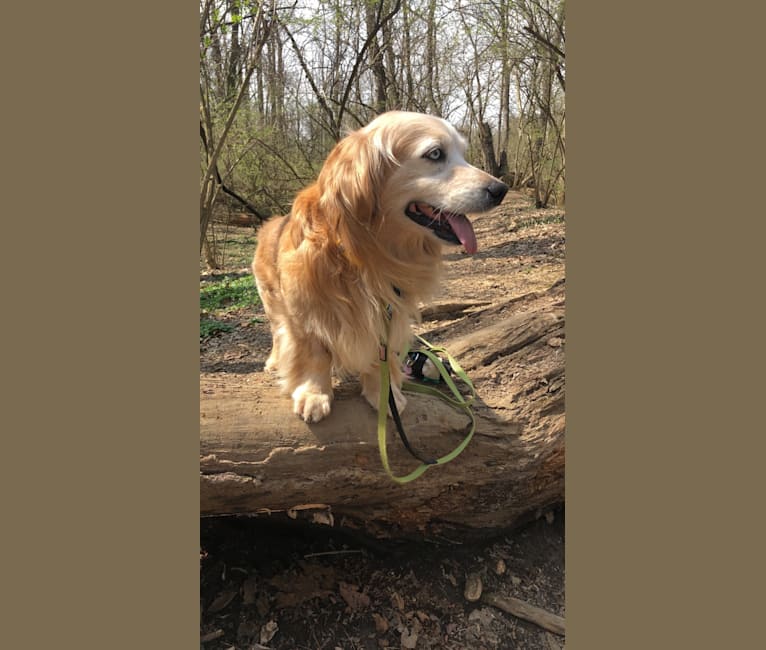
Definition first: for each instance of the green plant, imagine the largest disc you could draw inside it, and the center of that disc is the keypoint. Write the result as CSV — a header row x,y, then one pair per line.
x,y
228,294
222,296
210,327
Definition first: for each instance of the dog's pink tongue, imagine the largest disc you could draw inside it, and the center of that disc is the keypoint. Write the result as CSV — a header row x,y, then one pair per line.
x,y
464,231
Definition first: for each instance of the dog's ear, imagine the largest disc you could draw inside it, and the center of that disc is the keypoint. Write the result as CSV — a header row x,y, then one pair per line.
x,y
350,185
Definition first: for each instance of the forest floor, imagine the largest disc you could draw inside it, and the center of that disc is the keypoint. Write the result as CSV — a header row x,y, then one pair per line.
x,y
264,585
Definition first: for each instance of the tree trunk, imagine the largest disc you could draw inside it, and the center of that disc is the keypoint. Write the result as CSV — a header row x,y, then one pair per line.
x,y
409,87
487,142
210,257
376,58
393,96
235,56
431,65
504,118
256,457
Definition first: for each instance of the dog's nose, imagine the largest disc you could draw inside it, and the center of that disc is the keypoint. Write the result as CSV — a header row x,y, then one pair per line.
x,y
497,190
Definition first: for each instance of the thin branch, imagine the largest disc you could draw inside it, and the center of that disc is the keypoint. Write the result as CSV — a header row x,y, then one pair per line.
x,y
207,192
361,55
541,39
310,78
204,14
249,206
336,121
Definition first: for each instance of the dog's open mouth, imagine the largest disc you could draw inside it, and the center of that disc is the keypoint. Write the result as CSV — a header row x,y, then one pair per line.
x,y
449,226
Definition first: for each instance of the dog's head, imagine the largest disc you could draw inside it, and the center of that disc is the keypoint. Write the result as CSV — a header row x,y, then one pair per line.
x,y
404,176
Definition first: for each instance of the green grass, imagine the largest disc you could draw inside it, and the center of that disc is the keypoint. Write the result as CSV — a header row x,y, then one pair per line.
x,y
227,294
210,327
235,248
218,297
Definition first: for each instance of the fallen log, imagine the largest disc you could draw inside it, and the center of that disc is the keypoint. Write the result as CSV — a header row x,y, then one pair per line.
x,y
257,458
243,220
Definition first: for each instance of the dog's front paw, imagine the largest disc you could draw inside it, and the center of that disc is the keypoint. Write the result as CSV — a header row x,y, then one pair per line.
x,y
312,406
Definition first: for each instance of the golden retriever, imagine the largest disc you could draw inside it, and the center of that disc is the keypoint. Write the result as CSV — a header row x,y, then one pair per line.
x,y
361,247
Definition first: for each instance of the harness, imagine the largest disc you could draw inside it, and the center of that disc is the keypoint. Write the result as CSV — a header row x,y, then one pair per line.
x,y
427,353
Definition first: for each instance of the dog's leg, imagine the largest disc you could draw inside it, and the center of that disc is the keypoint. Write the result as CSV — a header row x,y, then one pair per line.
x,y
272,305
306,366
371,387
272,362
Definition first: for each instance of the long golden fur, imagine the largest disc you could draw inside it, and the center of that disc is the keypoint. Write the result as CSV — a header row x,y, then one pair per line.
x,y
360,239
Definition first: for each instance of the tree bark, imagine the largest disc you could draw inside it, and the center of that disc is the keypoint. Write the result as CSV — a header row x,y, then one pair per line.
x,y
376,58
431,65
487,142
256,457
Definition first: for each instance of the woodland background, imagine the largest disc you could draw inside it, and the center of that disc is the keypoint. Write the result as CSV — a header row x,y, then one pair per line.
x,y
282,80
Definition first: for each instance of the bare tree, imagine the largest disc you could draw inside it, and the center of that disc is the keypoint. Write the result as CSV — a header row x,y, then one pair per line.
x,y
212,24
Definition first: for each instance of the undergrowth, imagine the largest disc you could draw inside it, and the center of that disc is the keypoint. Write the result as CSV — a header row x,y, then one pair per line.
x,y
219,297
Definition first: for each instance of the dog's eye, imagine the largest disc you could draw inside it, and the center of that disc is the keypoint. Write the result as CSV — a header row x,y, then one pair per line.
x,y
435,154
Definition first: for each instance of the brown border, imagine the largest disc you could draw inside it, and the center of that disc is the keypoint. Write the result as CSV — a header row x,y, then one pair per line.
x,y
102,542
660,209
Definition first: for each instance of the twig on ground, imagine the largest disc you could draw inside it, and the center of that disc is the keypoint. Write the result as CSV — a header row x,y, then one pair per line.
x,y
344,552
523,610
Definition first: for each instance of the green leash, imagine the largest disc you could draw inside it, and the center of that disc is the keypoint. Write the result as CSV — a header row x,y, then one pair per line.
x,y
458,401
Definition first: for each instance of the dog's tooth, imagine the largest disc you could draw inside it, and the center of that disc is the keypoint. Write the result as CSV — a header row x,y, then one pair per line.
x,y
425,209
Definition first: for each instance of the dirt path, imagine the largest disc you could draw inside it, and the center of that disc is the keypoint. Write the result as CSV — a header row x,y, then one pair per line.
x,y
263,585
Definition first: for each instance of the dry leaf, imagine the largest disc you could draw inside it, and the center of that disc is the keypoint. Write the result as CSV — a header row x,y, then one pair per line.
x,y
249,590
268,631
262,605
473,587
353,597
409,640
398,601
381,624
211,636
221,601
300,587
247,630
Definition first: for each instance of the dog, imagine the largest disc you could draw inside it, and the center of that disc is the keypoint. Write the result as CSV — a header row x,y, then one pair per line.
x,y
345,270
